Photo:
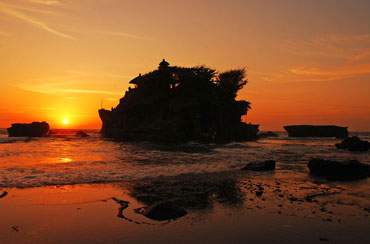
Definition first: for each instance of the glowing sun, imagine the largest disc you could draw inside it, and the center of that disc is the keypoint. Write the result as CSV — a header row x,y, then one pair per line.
x,y
65,121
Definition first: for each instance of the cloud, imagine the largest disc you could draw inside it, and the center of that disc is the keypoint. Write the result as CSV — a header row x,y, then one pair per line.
x,y
349,48
343,41
47,2
50,89
123,34
60,85
325,58
85,91
111,33
33,21
102,74
338,72
342,38
360,56
34,10
316,74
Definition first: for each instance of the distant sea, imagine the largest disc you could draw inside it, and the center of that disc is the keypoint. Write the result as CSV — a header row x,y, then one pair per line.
x,y
64,159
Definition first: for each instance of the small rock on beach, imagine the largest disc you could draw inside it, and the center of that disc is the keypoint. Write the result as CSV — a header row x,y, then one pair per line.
x,y
260,166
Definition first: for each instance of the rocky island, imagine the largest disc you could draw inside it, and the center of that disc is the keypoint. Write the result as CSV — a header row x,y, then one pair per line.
x,y
316,131
34,129
175,103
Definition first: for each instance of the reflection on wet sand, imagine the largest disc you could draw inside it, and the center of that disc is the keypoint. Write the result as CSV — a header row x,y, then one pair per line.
x,y
190,191
286,194
289,194
253,198
169,198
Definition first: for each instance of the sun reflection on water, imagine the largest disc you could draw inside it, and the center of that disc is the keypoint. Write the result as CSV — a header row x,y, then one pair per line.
x,y
65,160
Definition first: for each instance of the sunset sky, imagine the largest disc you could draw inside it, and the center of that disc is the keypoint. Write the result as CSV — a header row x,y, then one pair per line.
x,y
308,62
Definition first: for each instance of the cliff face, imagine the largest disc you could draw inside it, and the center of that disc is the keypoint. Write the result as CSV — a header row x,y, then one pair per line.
x,y
180,104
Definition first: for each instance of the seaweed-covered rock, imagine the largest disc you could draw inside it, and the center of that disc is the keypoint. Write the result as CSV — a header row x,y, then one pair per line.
x,y
175,103
334,170
316,131
354,144
34,129
260,166
163,211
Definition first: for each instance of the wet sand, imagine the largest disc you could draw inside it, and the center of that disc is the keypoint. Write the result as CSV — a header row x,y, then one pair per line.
x,y
234,207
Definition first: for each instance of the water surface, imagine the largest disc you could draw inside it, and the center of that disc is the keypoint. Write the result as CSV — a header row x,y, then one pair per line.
x,y
61,189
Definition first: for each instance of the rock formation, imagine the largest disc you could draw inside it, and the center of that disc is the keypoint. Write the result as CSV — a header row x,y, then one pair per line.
x,y
175,103
334,170
162,211
354,144
260,166
35,129
316,131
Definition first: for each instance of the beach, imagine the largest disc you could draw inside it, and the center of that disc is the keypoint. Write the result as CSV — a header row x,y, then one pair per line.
x,y
87,214
73,195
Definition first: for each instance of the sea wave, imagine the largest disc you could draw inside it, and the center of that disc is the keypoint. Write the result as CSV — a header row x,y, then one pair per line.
x,y
6,140
3,131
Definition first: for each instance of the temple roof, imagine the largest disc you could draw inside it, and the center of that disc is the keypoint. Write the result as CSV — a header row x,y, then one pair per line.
x,y
136,80
163,64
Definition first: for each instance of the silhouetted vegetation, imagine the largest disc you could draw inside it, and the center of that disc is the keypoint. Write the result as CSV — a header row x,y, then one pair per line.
x,y
179,103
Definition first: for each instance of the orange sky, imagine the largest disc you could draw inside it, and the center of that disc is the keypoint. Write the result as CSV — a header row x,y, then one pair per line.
x,y
308,62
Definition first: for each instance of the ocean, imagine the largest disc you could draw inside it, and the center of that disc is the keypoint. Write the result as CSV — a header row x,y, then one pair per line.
x,y
66,189
64,159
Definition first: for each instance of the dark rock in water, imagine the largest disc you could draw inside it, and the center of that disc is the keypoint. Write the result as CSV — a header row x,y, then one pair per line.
x,y
15,228
293,199
80,133
267,134
260,166
180,104
316,131
324,239
3,194
35,129
354,144
334,170
163,211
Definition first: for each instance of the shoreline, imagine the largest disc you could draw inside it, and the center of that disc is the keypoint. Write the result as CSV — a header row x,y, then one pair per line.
x,y
220,209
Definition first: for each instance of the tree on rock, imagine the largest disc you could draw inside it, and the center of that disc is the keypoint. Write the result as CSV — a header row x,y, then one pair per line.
x,y
178,104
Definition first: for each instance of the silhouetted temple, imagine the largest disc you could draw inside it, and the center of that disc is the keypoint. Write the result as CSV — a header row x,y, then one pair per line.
x,y
175,103
164,64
